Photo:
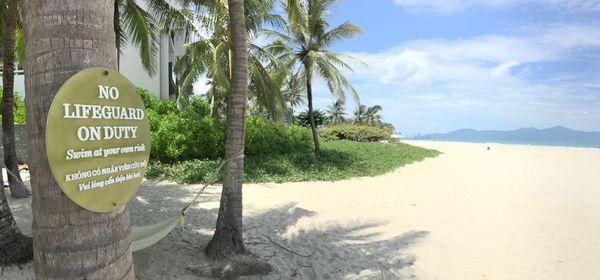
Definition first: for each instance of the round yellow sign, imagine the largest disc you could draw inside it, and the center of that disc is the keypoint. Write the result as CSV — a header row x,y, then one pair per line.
x,y
98,139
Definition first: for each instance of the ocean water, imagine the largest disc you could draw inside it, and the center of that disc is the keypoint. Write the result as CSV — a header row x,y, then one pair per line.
x,y
530,143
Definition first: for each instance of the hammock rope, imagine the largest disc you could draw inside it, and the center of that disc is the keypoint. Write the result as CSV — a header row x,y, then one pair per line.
x,y
145,236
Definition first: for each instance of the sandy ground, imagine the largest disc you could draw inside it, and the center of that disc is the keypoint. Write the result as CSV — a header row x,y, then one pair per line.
x,y
513,212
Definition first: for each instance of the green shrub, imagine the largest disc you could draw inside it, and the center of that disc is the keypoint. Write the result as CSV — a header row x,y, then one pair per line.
x,y
196,171
195,134
148,99
160,106
302,118
18,108
185,136
269,137
352,132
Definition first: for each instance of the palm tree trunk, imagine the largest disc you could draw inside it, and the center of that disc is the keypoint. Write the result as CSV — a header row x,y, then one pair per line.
x,y
14,247
117,27
227,239
17,189
63,38
311,117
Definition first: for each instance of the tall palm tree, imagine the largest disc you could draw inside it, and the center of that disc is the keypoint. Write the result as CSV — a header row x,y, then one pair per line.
x,y
336,113
69,242
227,243
360,114
11,23
310,39
211,56
14,246
227,239
372,116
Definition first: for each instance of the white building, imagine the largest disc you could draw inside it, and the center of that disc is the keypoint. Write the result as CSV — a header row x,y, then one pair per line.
x,y
162,84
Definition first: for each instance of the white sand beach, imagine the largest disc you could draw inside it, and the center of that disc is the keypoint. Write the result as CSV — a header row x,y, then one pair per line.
x,y
511,212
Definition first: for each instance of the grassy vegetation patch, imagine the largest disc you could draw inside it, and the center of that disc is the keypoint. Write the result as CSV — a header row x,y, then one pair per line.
x,y
338,160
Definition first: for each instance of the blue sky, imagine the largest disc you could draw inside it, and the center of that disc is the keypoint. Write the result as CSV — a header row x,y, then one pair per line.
x,y
440,65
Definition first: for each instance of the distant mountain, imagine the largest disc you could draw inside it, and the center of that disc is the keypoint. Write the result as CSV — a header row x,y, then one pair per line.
x,y
554,136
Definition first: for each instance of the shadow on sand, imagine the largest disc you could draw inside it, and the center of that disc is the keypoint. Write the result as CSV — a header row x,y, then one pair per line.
x,y
334,252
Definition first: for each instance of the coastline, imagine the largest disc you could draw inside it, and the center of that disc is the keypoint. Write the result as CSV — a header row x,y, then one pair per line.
x,y
501,143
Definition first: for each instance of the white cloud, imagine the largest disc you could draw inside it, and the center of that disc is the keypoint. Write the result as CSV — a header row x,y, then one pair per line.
x,y
484,82
408,68
454,6
504,68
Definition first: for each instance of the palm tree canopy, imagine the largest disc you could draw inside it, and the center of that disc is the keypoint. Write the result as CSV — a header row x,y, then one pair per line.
x,y
142,26
372,116
141,29
359,114
309,39
336,113
210,56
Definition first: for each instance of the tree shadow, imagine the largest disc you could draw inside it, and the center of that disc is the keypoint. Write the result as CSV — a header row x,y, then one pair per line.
x,y
156,202
353,251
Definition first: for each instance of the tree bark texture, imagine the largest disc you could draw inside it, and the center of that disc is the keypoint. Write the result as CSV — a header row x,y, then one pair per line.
x,y
64,37
14,247
311,116
17,189
227,239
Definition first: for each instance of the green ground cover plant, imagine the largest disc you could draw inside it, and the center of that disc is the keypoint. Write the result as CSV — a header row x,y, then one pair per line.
x,y
338,160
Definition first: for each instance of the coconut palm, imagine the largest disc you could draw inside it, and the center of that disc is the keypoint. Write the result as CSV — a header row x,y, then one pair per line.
x,y
227,244
70,242
11,23
210,56
307,44
227,239
360,114
14,246
291,87
335,113
372,116
293,93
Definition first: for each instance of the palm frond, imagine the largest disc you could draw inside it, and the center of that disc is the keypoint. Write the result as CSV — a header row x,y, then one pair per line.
x,y
172,18
20,45
220,66
296,11
143,32
264,55
337,83
341,32
264,90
